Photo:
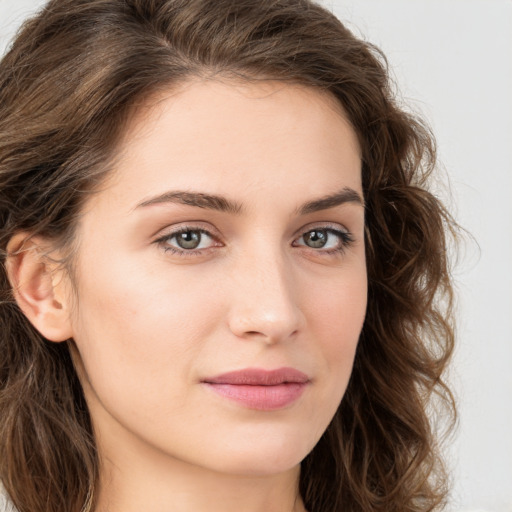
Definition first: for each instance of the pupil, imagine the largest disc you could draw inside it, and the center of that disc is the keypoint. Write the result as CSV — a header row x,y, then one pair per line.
x,y
189,239
316,238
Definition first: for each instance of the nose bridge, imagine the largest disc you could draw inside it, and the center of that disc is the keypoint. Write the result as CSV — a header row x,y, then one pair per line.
x,y
264,303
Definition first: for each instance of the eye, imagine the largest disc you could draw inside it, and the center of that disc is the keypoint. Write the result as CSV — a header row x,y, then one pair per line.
x,y
316,239
327,239
187,240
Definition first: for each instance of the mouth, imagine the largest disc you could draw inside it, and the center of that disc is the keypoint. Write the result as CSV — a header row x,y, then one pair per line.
x,y
264,390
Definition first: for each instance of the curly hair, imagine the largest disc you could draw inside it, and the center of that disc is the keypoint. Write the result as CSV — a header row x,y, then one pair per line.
x,y
68,83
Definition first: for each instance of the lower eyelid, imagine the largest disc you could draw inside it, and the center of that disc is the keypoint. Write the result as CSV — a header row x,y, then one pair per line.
x,y
171,236
345,240
345,236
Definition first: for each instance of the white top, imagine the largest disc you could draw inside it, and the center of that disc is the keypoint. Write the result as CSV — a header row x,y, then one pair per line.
x,y
5,502
7,506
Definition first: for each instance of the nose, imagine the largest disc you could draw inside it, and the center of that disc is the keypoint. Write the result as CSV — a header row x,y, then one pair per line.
x,y
264,303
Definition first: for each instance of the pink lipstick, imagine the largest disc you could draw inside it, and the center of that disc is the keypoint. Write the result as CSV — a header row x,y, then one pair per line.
x,y
264,390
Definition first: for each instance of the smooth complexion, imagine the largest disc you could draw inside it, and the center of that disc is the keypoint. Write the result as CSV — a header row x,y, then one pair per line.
x,y
230,237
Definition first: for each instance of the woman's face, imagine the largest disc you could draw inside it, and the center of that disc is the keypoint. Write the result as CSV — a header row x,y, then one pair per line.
x,y
229,239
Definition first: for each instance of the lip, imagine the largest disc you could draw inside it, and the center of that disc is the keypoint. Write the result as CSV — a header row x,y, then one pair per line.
x,y
264,390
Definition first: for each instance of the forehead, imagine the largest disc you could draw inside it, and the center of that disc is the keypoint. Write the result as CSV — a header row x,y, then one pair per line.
x,y
233,137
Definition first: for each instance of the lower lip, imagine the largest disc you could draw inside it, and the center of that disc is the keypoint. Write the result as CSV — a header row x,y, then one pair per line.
x,y
262,398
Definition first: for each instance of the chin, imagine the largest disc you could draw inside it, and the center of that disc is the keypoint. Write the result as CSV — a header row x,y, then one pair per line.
x,y
258,459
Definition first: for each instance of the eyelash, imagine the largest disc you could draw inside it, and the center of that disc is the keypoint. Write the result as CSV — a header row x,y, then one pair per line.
x,y
346,240
163,242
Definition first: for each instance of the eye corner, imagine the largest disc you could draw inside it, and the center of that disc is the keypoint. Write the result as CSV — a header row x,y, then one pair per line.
x,y
193,245
323,243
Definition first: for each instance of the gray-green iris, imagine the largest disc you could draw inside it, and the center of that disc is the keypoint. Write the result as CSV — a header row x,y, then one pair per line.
x,y
316,238
188,239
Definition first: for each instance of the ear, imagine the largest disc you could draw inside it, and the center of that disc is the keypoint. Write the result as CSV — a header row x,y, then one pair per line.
x,y
39,286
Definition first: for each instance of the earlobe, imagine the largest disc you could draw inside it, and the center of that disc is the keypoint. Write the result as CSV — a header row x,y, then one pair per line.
x,y
37,287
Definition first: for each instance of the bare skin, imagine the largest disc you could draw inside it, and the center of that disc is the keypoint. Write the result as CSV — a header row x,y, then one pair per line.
x,y
277,280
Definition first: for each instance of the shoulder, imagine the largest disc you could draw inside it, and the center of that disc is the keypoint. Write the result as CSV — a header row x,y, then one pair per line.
x,y
5,502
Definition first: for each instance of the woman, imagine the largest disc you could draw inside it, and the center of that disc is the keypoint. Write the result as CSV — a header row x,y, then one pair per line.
x,y
225,280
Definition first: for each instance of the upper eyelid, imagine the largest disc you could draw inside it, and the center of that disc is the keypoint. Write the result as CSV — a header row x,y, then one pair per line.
x,y
169,231
345,235
333,226
212,232
163,241
174,233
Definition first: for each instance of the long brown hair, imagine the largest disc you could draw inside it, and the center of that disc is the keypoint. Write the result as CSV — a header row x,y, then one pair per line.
x,y
67,86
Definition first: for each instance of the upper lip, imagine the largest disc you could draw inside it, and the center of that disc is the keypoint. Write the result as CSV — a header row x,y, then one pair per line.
x,y
260,377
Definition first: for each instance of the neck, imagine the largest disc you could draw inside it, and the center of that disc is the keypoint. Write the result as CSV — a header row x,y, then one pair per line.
x,y
131,480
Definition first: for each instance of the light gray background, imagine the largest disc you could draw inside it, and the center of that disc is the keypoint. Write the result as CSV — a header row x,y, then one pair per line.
x,y
453,63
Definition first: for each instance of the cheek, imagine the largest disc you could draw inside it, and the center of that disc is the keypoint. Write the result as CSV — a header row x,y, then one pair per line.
x,y
135,331
336,315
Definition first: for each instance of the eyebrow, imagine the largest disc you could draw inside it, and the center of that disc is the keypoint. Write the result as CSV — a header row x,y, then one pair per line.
x,y
220,203
345,195
198,199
